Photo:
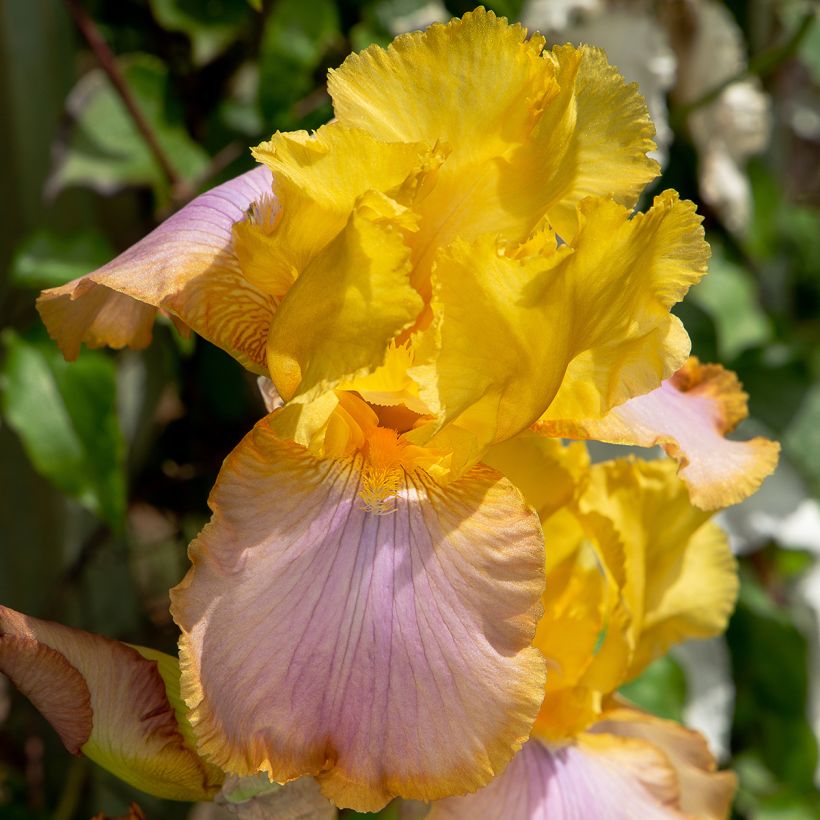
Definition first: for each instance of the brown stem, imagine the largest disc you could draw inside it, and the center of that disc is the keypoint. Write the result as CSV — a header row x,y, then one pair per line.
x,y
109,65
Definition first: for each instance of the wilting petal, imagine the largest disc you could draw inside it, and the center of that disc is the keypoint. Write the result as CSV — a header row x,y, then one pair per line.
x,y
256,798
688,415
704,792
596,776
590,318
186,266
106,700
385,654
338,319
681,578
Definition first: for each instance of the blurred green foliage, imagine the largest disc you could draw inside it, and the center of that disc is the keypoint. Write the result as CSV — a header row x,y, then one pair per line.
x,y
106,463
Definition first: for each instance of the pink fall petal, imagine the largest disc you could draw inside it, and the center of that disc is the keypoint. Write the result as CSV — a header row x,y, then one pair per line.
x,y
592,778
186,266
386,654
689,416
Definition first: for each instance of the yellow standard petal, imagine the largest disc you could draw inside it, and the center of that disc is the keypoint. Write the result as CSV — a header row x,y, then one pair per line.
x,y
630,274
592,140
339,318
318,178
556,331
681,575
475,84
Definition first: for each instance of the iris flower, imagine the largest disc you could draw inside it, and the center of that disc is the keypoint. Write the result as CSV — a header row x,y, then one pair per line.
x,y
450,264
117,704
633,568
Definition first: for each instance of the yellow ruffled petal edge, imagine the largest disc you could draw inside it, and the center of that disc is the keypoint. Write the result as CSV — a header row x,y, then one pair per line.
x,y
632,568
590,319
680,575
689,416
594,136
476,84
564,123
107,701
318,179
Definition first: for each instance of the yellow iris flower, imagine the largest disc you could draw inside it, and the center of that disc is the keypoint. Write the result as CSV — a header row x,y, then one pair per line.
x,y
451,264
633,568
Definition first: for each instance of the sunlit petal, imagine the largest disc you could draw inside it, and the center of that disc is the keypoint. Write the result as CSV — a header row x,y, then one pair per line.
x,y
186,266
318,178
385,654
704,792
681,577
337,321
590,318
593,139
475,84
689,415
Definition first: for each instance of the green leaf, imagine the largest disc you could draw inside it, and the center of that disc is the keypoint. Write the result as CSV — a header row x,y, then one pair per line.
x,y
296,38
660,689
210,26
66,417
45,259
729,295
769,660
105,150
802,439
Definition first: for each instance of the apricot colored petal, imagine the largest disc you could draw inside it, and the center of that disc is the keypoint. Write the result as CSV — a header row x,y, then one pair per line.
x,y
704,792
106,700
384,654
186,266
475,84
318,179
689,416
338,319
681,577
596,776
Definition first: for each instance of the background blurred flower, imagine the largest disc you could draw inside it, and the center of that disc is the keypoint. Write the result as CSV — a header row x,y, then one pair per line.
x,y
689,49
